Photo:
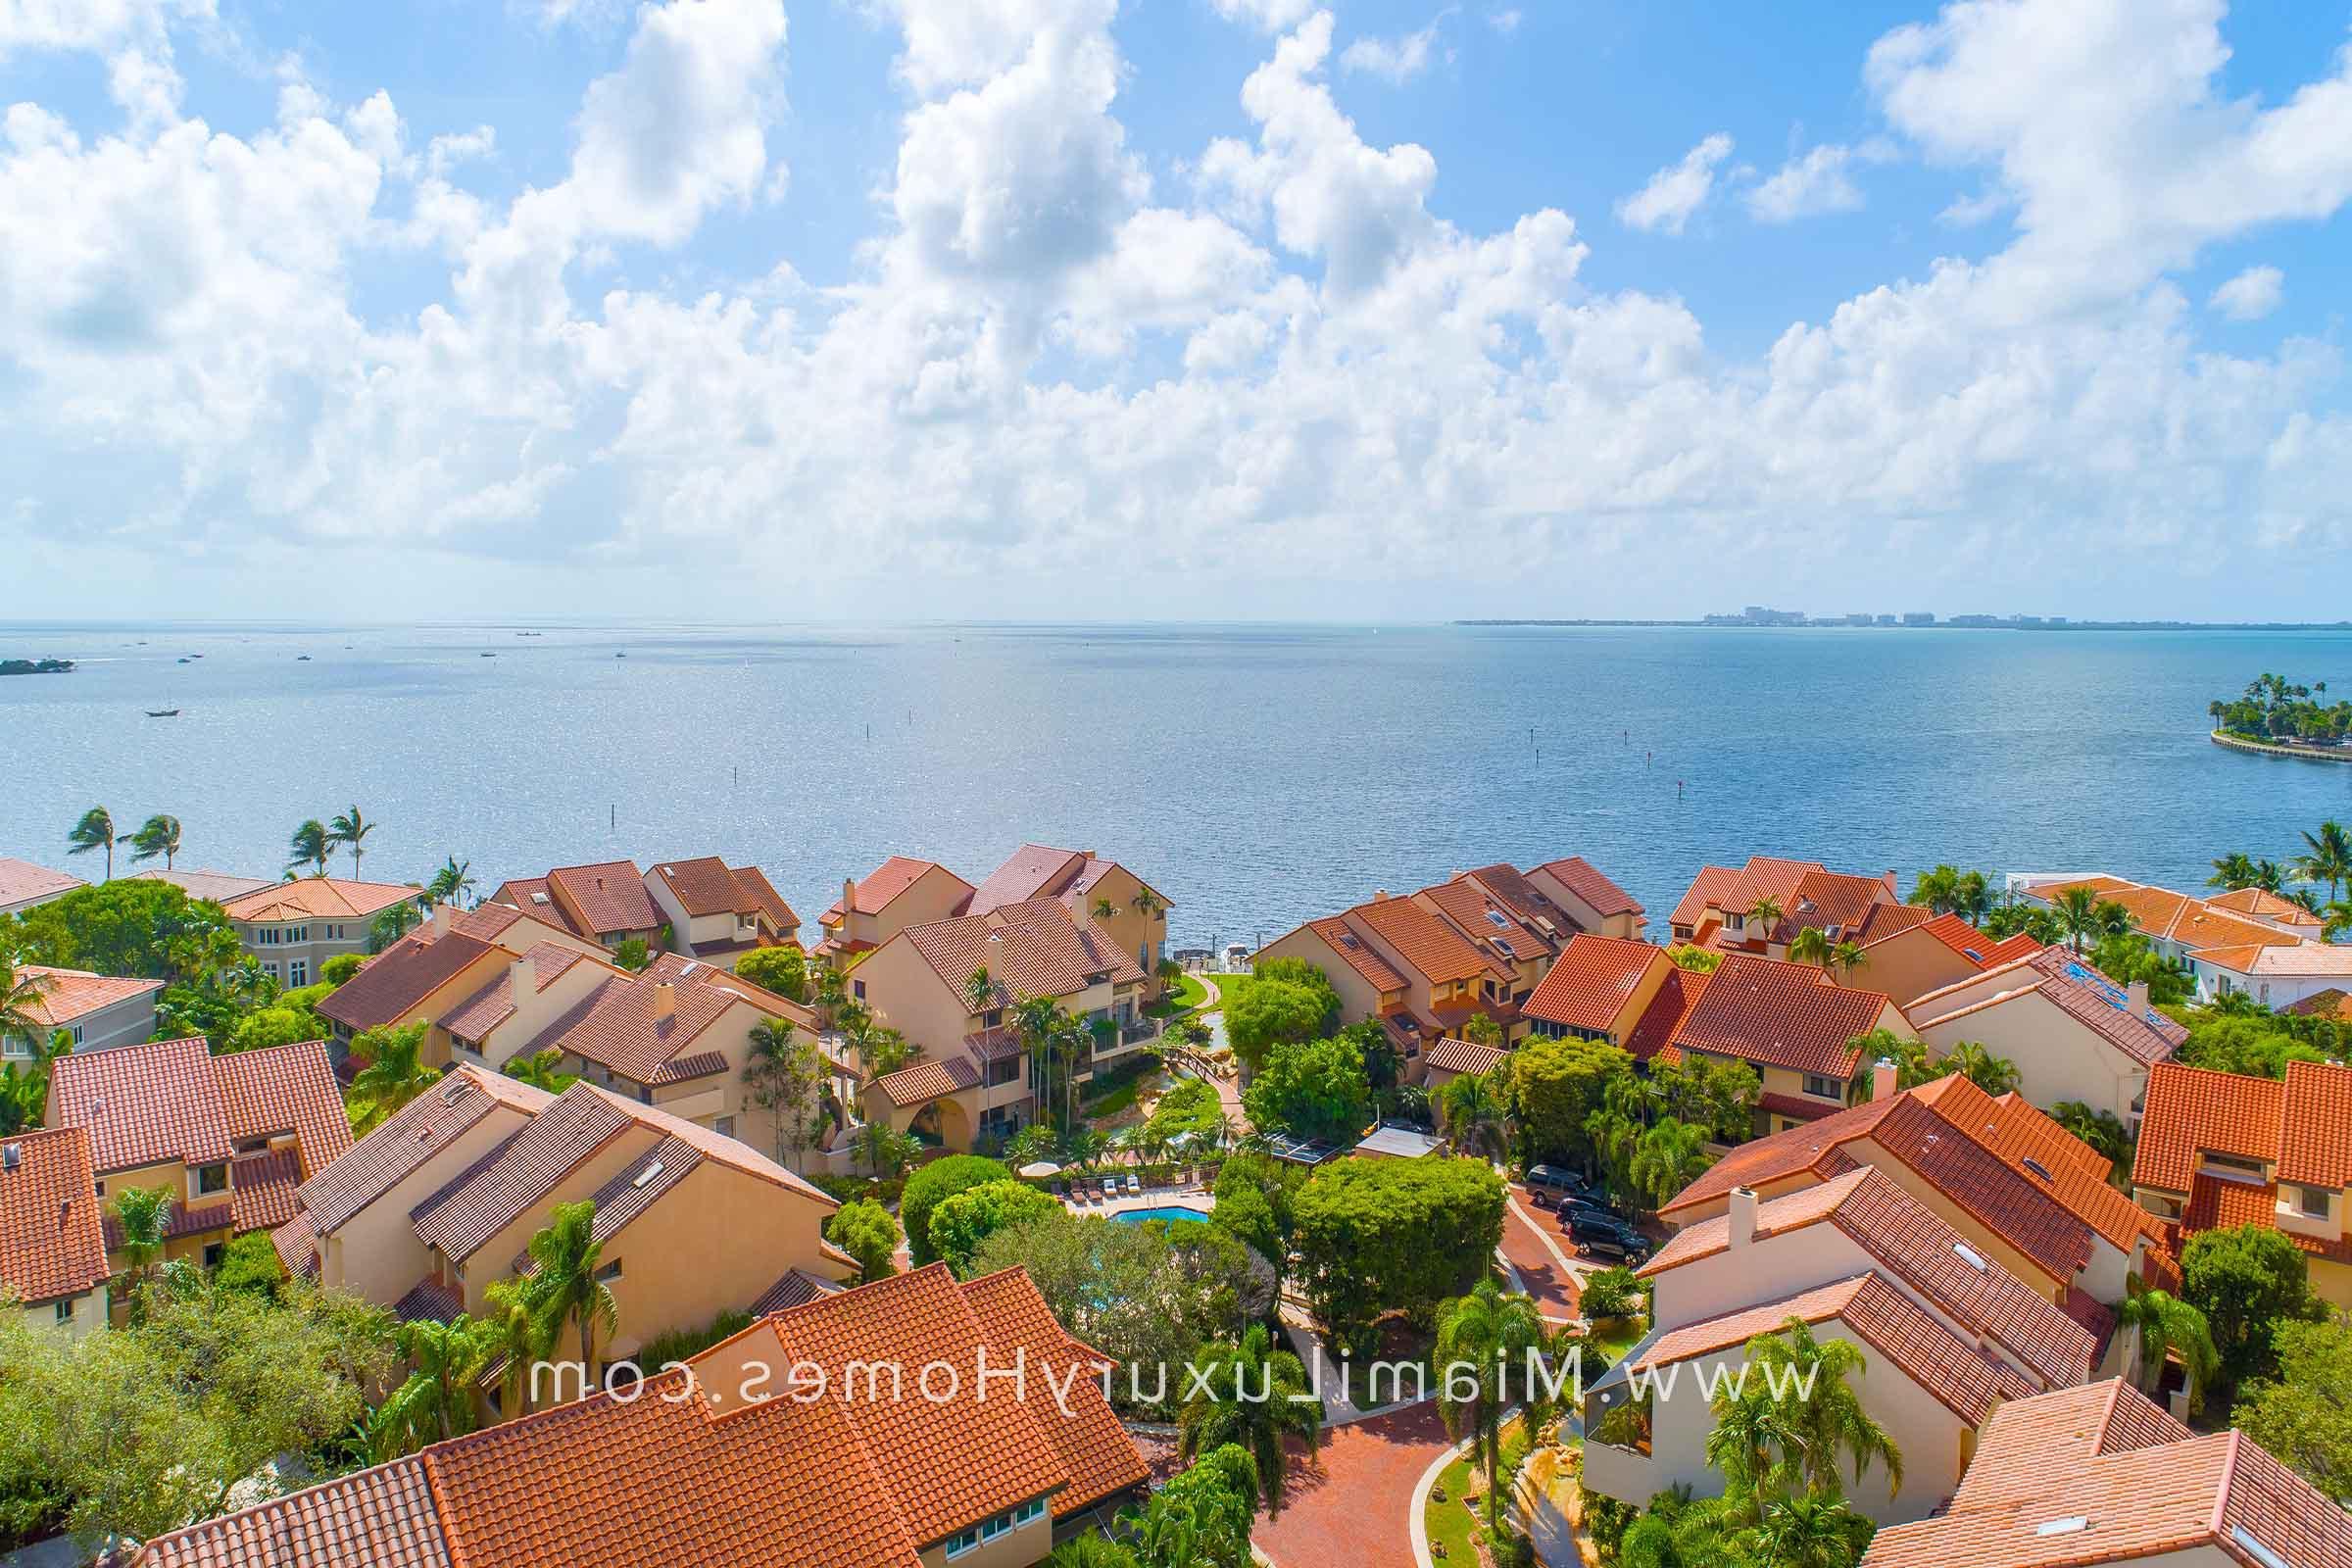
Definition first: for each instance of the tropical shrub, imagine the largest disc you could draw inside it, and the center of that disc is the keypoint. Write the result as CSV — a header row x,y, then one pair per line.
x,y
867,1232
1313,1089
963,1220
932,1186
2247,1281
1380,1235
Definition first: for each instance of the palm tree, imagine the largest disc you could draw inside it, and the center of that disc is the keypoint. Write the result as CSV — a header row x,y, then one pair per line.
x,y
1971,897
2167,1325
145,1215
436,1403
782,1072
1105,909
2103,1130
1756,1447
569,1257
2336,919
884,1150
1244,1393
311,847
1472,1109
1936,890
450,884
980,990
2328,857
1765,914
1669,1158
2078,915
346,831
1810,946
1041,1022
2267,876
394,1075
158,835
20,997
1148,902
95,831
1831,1421
539,1070
2233,871
1973,1060
1845,957
512,1338
1484,1338
1813,1532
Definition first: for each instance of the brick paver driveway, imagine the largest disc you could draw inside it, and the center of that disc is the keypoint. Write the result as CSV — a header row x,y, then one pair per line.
x,y
1540,1269
1350,1507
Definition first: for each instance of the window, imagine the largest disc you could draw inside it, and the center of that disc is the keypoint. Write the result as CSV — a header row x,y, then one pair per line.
x,y
269,967
2311,1201
1821,1088
78,1034
211,1179
988,1530
16,1046
608,1273
992,1017
65,1310
297,973
724,1126
213,1253
857,989
102,1188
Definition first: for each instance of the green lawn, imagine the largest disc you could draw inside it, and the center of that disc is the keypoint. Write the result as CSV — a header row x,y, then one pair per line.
x,y
1621,1338
1189,993
1453,1526
1225,985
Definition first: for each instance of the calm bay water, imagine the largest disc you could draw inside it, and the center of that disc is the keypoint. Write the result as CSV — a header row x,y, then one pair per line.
x,y
1256,774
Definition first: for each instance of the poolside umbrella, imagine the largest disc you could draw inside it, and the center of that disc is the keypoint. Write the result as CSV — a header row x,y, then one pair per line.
x,y
1037,1168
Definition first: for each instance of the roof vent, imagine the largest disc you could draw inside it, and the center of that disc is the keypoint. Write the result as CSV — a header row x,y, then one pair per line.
x,y
2256,1549
12,1156
2038,1167
648,1174
1973,1258
2071,1524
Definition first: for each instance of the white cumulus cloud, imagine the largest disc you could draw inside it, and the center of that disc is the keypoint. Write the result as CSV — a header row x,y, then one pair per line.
x,y
1677,191
2251,295
1394,60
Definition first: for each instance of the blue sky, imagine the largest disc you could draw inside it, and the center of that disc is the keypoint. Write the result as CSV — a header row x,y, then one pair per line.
x,y
1191,306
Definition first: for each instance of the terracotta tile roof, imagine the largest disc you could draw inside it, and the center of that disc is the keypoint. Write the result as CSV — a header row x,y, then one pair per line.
x,y
609,897
2146,1036
621,1023
1499,933
1590,984
319,897
52,1241
1831,900
2059,1482
22,882
1962,938
1949,1369
217,886
261,1190
1358,954
1660,1021
1449,1054
2268,906
1775,1216
1707,892
1524,899
2221,1202
705,886
1883,920
286,1088
147,1104
637,1187
2315,1133
1780,1014
888,880
409,1138
2020,1212
494,1003
399,978
796,1287
1424,941
381,1518
1780,1155
1762,877
479,1202
770,903
2045,1153
926,1081
1034,871
297,1244
430,1300
67,994
1101,1457
2190,1111
1796,1107
2163,916
1035,949
2301,962
1582,879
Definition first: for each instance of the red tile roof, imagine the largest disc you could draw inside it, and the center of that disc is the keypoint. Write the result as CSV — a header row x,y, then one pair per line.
x,y
1036,949
1781,1016
479,1202
410,1137
1093,1447
52,1240
609,897
1451,1055
1034,871
379,1518
172,1102
638,1025
1490,924
926,1081
1796,1107
2045,1153
401,978
2315,1125
1883,920
65,995
1357,953
2218,1201
2026,1216
286,1088
2191,1111
1582,879
1663,1019
1425,942
1765,876
319,897
261,1190
22,882
1591,983
1831,900
1524,899
888,880
1707,890
478,1014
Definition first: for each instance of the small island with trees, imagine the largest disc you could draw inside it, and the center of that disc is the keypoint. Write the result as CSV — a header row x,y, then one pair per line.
x,y
36,666
2276,717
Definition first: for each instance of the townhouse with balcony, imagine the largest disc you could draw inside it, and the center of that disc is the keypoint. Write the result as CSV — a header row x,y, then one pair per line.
x,y
606,903
428,1211
96,1012
226,1138
1946,1334
711,1464
1629,993
976,1081
716,913
1792,1024
2074,1034
444,960
1720,912
52,1236
2220,1150
1130,912
294,927
2249,942
896,894
2099,1474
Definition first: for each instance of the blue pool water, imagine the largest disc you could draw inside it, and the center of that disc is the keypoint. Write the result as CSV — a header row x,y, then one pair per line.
x,y
1136,1216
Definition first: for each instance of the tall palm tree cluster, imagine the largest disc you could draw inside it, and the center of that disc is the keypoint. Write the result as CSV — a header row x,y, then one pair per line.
x,y
316,842
2326,861
155,839
525,1323
1948,890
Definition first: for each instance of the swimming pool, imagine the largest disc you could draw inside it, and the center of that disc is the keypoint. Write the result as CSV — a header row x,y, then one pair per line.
x,y
1136,1216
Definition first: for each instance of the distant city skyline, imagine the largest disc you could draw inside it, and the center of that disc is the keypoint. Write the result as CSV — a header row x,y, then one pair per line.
x,y
1251,309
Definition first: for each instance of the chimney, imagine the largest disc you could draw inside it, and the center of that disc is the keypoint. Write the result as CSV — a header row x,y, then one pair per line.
x,y
849,894
1893,884
665,999
1882,1079
1379,894
523,979
443,918
1742,1215
2137,993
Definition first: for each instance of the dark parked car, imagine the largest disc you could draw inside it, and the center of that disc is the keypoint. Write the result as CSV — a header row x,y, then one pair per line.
x,y
1600,1236
1550,1186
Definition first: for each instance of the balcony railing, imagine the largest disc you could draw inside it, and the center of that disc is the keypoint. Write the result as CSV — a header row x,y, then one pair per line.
x,y
1139,1031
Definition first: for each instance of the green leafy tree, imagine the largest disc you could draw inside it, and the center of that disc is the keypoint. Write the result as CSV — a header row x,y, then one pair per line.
x,y
157,839
2078,911
566,1258
1286,1001
963,1220
149,929
783,970
2243,1040
2304,1415
1699,960
2103,1130
1555,1088
395,1073
284,1024
1669,1156
867,1232
310,846
2233,871
2170,1326
1483,1342
94,831
782,1073
933,1186
1811,946
391,924
1974,1061
1758,1449
514,1337
349,831
1379,1235
1812,1532
1717,1094
23,1013
1253,1395
885,1151
339,969
2246,1281
1613,1293
541,1069
1482,1030
1200,1519
1255,1203
1313,1088
633,955
250,1263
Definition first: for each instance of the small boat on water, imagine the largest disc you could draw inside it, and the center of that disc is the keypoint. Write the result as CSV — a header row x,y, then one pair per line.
x,y
302,658
620,655
489,656
183,661
162,713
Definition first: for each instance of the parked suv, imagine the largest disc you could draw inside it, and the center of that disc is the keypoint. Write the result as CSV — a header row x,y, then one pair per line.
x,y
1549,1184
1599,1235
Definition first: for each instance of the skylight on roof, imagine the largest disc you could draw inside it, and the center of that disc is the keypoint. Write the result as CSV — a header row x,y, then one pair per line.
x,y
2038,1167
1495,917
538,897
648,1174
1973,1258
2071,1524
2256,1549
